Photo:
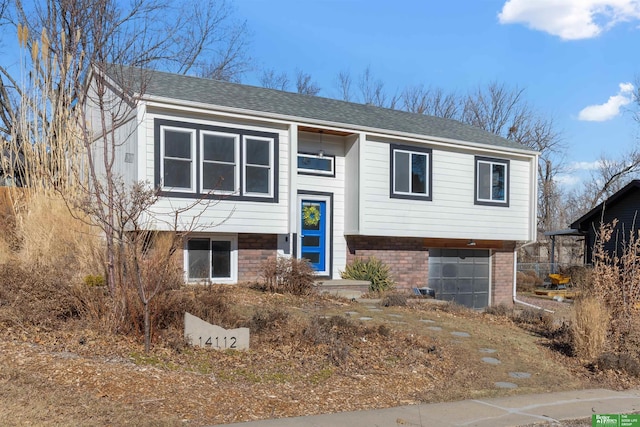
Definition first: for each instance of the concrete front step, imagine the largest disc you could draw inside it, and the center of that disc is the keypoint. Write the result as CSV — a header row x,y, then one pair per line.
x,y
344,288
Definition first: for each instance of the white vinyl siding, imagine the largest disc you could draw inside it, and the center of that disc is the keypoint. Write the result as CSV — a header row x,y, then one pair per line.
x,y
452,212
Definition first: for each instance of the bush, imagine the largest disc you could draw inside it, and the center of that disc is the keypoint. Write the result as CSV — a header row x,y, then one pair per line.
x,y
394,300
589,327
502,309
618,362
38,297
527,281
371,269
288,275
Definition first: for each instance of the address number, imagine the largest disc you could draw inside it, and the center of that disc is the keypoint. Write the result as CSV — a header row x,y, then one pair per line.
x,y
218,342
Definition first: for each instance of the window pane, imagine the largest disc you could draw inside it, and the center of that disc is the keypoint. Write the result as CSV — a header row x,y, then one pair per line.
x,y
257,152
401,172
313,257
177,173
221,259
177,144
313,241
198,253
257,180
498,182
419,173
315,163
218,177
484,181
219,148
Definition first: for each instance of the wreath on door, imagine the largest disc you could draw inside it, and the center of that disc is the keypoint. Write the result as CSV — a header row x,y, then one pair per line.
x,y
311,215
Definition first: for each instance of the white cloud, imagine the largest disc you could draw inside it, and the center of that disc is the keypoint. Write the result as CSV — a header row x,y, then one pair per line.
x,y
585,166
570,19
611,108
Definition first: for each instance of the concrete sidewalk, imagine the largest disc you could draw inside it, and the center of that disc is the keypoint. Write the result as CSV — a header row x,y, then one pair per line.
x,y
496,412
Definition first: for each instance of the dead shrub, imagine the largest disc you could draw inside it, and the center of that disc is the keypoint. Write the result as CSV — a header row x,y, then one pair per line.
x,y
502,310
618,362
288,275
589,326
535,317
35,297
527,281
268,320
394,300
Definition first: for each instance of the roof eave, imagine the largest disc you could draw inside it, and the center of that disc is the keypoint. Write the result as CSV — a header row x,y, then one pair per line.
x,y
341,125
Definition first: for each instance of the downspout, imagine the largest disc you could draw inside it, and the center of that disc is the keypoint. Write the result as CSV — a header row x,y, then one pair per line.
x,y
515,267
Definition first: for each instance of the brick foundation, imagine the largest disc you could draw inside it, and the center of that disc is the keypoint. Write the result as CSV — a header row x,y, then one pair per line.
x,y
253,250
407,257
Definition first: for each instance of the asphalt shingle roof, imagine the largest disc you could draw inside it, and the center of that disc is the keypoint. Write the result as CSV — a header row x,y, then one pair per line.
x,y
301,107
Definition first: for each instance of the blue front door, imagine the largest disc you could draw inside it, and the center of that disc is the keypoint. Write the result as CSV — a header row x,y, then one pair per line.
x,y
313,233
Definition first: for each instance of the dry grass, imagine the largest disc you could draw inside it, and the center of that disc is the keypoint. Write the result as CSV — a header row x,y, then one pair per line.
x,y
589,326
45,234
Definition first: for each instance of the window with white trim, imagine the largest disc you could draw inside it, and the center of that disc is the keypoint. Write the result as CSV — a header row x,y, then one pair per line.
x,y
258,166
212,259
410,172
220,155
492,181
316,164
177,151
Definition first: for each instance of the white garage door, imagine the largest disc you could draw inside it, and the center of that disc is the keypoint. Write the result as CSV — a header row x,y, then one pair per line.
x,y
460,275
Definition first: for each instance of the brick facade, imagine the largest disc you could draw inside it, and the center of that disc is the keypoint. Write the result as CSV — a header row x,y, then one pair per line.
x,y
407,257
253,250
502,280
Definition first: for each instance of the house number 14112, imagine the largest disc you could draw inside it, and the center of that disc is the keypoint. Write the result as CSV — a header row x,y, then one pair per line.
x,y
219,342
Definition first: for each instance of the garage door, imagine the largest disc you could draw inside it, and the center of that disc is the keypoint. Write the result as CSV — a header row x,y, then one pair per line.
x,y
460,275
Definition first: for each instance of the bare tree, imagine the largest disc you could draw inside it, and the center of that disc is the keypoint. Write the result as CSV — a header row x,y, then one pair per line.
x,y
305,85
69,109
372,91
431,102
202,37
273,80
344,83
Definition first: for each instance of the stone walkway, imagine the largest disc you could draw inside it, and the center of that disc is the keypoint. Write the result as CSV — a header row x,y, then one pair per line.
x,y
433,326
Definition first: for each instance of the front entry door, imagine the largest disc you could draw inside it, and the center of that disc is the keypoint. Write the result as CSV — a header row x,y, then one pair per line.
x,y
313,244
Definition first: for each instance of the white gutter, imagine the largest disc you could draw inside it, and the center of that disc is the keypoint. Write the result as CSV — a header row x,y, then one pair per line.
x,y
515,275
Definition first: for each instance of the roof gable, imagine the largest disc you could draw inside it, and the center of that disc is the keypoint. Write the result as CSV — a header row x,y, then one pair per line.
x,y
621,195
306,107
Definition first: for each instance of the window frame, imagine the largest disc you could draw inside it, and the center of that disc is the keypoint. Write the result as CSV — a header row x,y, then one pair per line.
x,y
197,191
316,172
193,158
411,150
236,156
245,165
233,258
491,161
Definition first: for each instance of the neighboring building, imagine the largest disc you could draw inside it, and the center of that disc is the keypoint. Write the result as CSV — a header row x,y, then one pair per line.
x,y
624,206
442,203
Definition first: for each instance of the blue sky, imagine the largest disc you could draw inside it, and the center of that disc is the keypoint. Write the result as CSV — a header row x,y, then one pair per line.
x,y
574,58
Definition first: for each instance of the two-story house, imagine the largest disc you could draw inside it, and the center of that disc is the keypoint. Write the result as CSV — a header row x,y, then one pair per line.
x,y
443,204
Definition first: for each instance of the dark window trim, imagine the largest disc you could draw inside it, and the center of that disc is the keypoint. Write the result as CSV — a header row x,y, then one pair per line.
x,y
330,236
309,172
198,128
507,164
421,150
